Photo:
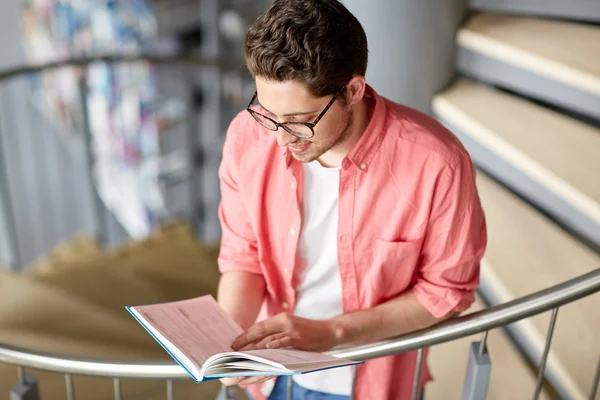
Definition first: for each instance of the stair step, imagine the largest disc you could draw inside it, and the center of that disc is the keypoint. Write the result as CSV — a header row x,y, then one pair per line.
x,y
36,307
511,377
553,160
555,61
527,252
586,10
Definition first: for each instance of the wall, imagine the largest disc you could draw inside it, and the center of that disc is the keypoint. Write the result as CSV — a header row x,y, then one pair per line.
x,y
411,46
10,54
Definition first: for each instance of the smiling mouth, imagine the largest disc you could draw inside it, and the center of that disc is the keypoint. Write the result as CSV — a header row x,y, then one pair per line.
x,y
298,148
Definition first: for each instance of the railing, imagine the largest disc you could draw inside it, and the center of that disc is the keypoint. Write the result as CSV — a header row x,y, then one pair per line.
x,y
480,322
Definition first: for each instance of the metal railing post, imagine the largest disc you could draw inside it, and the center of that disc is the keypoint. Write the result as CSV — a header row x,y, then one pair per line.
x,y
21,374
479,367
417,378
170,390
117,388
69,387
542,368
26,389
595,382
290,388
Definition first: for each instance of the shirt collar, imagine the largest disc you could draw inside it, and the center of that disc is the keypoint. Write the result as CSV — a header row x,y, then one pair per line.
x,y
363,153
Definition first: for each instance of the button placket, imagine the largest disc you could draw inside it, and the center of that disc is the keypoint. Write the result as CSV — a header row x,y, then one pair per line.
x,y
346,239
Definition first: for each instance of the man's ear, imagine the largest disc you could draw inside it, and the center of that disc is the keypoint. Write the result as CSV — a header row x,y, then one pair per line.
x,y
355,89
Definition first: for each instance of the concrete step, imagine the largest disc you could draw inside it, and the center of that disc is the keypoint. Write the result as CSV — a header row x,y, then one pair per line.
x,y
551,159
557,62
585,10
526,253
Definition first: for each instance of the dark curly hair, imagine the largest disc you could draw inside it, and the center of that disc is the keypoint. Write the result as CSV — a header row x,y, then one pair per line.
x,y
316,42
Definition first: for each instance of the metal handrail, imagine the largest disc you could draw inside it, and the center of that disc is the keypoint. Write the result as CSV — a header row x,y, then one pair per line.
x,y
155,58
467,325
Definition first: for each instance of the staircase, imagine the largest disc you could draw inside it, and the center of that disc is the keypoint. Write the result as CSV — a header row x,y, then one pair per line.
x,y
72,302
526,105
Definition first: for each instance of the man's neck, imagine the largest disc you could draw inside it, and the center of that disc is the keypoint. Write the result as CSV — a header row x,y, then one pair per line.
x,y
362,114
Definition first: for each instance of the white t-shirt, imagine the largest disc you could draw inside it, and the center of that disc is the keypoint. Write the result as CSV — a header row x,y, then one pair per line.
x,y
319,293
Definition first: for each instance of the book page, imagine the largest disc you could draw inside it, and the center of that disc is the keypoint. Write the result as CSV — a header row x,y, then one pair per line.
x,y
298,360
198,327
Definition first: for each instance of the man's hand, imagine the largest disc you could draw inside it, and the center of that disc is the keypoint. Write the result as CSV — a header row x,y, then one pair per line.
x,y
245,381
284,330
287,330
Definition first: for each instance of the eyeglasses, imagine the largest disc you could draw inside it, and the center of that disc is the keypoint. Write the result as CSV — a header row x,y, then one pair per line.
x,y
303,130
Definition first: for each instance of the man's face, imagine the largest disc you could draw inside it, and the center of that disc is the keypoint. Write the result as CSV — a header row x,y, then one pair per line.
x,y
291,102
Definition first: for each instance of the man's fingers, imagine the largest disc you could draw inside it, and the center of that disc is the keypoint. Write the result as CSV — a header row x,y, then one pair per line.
x,y
256,333
254,380
231,381
264,343
244,381
283,341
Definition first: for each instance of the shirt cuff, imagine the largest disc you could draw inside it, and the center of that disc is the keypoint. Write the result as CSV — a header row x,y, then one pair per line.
x,y
441,301
226,265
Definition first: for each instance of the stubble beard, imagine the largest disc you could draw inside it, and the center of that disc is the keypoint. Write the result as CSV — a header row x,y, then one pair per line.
x,y
316,150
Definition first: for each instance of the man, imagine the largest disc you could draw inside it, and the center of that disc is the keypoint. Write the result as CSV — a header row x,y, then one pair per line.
x,y
346,218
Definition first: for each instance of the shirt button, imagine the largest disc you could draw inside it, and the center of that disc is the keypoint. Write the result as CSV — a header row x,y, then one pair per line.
x,y
363,166
285,305
286,271
344,238
293,231
294,185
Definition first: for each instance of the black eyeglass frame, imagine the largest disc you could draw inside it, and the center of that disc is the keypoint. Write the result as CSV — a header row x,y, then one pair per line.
x,y
284,125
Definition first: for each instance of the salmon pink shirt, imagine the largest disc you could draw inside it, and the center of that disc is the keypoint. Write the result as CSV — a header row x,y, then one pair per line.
x,y
409,219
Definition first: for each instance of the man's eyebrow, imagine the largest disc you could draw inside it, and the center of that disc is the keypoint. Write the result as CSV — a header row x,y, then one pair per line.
x,y
296,114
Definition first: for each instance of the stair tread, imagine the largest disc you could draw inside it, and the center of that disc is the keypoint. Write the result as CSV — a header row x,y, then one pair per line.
x,y
511,377
527,252
539,141
586,10
565,51
34,306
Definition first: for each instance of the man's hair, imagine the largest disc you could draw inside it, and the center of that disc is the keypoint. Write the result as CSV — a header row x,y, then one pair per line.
x,y
315,42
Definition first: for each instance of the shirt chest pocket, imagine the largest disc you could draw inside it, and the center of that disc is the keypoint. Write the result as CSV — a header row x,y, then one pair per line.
x,y
396,264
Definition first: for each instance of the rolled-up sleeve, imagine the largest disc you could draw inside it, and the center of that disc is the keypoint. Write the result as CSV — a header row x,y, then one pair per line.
x,y
238,250
454,243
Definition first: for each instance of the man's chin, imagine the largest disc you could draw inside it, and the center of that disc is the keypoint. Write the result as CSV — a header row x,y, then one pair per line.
x,y
304,157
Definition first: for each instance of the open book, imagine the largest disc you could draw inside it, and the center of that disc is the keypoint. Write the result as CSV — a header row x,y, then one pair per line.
x,y
198,334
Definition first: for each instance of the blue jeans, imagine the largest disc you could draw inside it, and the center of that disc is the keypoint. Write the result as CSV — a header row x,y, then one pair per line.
x,y
299,393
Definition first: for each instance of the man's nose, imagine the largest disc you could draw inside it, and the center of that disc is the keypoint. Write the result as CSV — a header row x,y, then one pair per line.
x,y
284,138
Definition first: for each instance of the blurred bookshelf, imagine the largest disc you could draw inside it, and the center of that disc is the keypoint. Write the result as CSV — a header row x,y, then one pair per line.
x,y
156,131
127,114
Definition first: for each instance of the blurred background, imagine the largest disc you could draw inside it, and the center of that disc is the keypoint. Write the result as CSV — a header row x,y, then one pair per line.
x,y
113,114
